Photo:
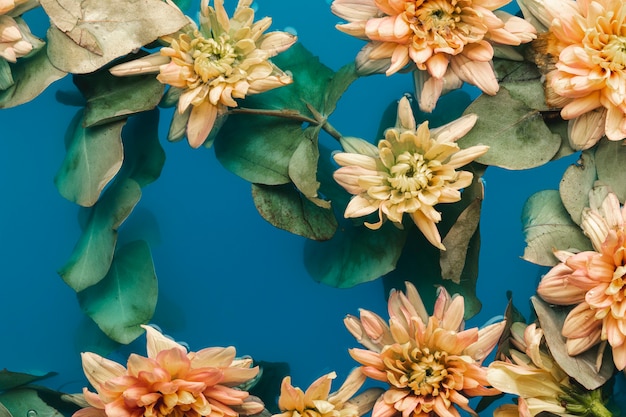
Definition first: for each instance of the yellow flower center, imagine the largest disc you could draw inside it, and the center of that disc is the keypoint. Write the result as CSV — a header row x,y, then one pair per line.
x,y
212,58
411,172
614,53
439,16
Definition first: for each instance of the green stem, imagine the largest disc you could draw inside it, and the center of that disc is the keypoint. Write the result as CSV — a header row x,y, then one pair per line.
x,y
597,408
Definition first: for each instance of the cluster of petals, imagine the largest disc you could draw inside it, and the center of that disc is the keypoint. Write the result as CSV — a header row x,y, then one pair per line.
x,y
412,169
317,400
221,60
431,363
594,282
169,383
589,80
14,33
531,373
450,40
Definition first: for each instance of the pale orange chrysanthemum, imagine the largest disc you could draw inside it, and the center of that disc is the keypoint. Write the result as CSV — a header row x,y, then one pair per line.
x,y
431,364
169,383
449,39
589,81
14,34
595,282
318,401
222,60
410,171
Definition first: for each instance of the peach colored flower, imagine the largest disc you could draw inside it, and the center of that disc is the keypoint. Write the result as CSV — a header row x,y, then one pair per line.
x,y
440,37
532,374
317,401
430,363
169,383
222,60
594,281
589,81
13,43
412,169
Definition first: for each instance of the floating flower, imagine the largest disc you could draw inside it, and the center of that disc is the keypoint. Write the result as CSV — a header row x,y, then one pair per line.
x,y
411,171
532,374
595,282
13,44
430,363
440,37
589,80
169,383
222,60
317,400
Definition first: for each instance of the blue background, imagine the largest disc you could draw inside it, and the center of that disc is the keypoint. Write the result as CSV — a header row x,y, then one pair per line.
x,y
226,277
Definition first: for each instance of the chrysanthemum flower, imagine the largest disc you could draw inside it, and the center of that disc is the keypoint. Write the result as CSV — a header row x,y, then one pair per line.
x,y
437,36
169,383
13,45
430,363
222,60
410,171
532,374
595,282
317,401
589,81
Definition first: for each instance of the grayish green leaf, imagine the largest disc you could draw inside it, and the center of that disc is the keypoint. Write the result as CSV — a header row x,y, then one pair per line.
x,y
9,379
303,167
4,412
126,297
6,78
286,208
93,158
457,240
21,401
547,227
610,158
576,183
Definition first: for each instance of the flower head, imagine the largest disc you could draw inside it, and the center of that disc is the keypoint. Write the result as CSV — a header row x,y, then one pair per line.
x,y
436,36
411,170
530,373
594,281
317,401
169,383
430,363
589,78
220,61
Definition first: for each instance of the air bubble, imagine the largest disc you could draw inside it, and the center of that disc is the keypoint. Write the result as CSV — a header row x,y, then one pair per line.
x,y
32,413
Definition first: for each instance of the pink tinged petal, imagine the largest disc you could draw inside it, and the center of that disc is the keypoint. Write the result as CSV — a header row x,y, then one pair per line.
x,y
441,303
524,31
276,42
437,65
375,328
487,339
454,130
465,156
359,206
587,129
399,59
491,4
200,124
218,357
479,51
619,356
566,25
291,398
405,118
236,376
319,389
149,64
580,322
442,410
428,228
595,227
98,370
226,395
366,358
612,212
364,161
174,361
476,73
90,412
555,287
352,10
615,128
577,346
581,105
453,316
382,409
351,385
428,92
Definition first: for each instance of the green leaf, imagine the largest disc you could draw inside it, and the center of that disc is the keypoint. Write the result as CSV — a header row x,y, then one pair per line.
x,y
6,78
286,208
80,40
582,367
10,380
518,138
31,75
303,167
576,183
548,226
126,297
457,241
4,412
523,81
92,255
111,98
354,255
610,159
20,402
338,84
93,158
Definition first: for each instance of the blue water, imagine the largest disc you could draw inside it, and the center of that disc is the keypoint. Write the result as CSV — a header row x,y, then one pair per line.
x,y
226,276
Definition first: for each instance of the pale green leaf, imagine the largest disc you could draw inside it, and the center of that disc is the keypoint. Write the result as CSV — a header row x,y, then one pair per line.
x,y
93,158
4,412
610,159
9,379
30,75
86,35
518,138
354,255
92,255
303,167
576,183
457,241
582,367
286,208
548,227
21,401
126,297
6,78
338,84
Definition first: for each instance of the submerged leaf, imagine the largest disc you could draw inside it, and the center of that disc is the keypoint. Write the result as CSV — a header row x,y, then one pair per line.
x,y
23,401
518,138
582,367
86,35
547,227
286,208
610,159
126,297
303,167
577,181
94,156
457,241
10,380
92,255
